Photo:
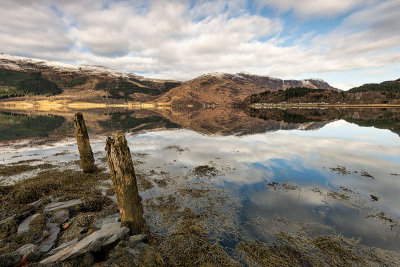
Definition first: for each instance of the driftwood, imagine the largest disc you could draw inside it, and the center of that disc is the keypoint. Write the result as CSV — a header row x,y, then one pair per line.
x,y
82,138
124,180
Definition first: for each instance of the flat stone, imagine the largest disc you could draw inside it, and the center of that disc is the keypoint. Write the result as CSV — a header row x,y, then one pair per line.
x,y
78,227
10,259
36,204
62,205
7,220
108,235
24,226
101,222
54,199
60,217
137,238
137,248
62,246
30,251
25,213
49,242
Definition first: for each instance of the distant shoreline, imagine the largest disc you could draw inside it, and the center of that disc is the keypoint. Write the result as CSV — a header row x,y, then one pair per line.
x,y
48,105
294,105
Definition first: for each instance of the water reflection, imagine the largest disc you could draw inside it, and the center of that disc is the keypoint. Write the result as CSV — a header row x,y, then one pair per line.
x,y
310,196
136,121
286,180
383,118
19,126
269,211
215,121
58,125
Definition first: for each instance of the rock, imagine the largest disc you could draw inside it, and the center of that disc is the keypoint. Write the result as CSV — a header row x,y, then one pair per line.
x,y
85,260
30,251
137,238
142,255
49,241
25,213
62,246
54,199
24,226
78,227
150,257
8,226
60,217
10,259
122,256
101,222
26,253
62,205
23,262
36,204
94,242
7,220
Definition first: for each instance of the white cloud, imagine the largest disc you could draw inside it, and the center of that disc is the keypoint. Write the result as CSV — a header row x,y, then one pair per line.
x,y
367,31
29,27
316,8
177,39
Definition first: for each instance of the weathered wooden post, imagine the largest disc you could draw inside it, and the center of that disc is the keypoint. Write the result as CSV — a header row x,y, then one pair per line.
x,y
82,138
124,180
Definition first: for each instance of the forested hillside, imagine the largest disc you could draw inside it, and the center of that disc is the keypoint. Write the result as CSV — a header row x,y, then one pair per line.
x,y
17,83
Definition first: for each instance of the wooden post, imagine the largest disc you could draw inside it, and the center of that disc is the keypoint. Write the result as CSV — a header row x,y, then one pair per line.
x,y
82,138
124,180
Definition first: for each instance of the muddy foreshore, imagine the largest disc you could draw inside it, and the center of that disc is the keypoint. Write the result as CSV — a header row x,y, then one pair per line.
x,y
67,218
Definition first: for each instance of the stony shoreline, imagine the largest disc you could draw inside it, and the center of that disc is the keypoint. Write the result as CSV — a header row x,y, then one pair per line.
x,y
63,218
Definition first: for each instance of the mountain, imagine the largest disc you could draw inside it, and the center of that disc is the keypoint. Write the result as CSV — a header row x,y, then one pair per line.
x,y
224,88
388,86
383,93
20,76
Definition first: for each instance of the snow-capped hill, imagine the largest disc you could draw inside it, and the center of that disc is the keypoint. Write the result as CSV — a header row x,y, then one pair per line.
x,y
75,81
226,88
319,83
32,64
102,82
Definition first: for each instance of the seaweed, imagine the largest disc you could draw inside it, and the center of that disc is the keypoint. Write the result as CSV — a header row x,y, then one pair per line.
x,y
66,184
205,170
340,170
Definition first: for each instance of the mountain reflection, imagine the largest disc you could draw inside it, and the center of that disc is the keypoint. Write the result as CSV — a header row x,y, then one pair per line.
x,y
296,170
210,121
383,118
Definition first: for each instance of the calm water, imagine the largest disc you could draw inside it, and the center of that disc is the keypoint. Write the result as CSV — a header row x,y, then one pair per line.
x,y
299,171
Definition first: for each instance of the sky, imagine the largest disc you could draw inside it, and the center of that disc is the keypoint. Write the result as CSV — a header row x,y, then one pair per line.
x,y
345,42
